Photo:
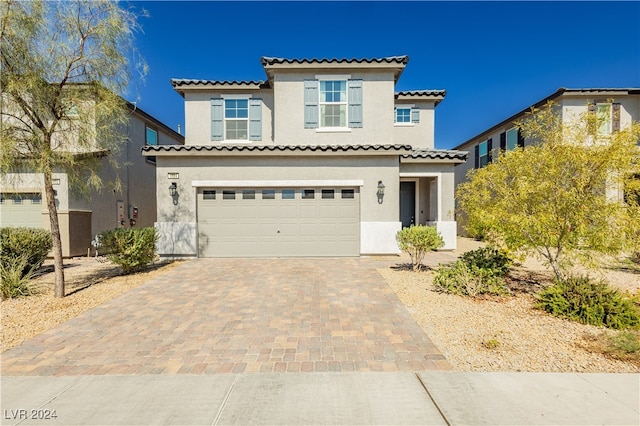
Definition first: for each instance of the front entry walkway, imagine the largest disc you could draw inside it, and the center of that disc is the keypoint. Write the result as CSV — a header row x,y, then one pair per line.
x,y
212,316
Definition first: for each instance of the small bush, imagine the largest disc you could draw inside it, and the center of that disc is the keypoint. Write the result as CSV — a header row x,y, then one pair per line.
x,y
490,259
468,280
588,301
14,282
29,244
417,241
132,249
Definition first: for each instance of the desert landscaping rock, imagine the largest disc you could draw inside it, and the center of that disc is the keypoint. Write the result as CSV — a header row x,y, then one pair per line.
x,y
506,334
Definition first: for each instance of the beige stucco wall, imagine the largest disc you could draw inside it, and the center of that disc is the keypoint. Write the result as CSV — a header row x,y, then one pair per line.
x,y
377,112
368,169
197,110
418,135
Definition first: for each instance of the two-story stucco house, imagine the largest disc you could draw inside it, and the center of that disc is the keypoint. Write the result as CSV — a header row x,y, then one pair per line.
x,y
81,217
615,109
322,158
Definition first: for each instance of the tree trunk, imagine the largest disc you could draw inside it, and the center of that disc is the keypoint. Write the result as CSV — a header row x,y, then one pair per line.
x,y
55,233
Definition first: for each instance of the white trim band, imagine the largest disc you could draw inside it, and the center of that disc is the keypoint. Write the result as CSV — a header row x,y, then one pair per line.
x,y
275,183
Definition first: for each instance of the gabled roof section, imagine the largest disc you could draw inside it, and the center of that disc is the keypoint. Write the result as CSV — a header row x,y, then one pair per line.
x,y
430,94
180,85
558,93
394,63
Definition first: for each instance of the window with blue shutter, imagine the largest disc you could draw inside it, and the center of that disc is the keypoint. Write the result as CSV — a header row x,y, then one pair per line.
x,y
217,119
355,103
255,119
311,104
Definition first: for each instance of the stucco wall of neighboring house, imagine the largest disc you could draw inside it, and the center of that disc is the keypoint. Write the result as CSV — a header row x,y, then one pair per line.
x,y
419,135
197,109
377,104
178,222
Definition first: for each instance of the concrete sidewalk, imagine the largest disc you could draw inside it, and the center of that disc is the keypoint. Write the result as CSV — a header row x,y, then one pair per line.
x,y
437,398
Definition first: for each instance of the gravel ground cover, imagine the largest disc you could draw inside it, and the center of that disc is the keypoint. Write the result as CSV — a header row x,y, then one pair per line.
x,y
88,283
489,334
505,334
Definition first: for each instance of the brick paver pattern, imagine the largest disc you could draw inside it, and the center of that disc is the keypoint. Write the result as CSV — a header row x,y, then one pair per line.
x,y
211,316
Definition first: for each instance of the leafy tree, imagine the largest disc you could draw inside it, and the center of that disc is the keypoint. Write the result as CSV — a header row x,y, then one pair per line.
x,y
560,197
64,65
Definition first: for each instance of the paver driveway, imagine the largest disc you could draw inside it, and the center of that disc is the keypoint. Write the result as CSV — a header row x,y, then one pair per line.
x,y
239,315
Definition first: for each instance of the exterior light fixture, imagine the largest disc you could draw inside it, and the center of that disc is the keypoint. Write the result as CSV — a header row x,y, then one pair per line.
x,y
173,191
380,192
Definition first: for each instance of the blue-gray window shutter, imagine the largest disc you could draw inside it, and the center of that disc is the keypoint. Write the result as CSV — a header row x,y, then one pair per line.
x,y
355,103
217,119
311,114
415,115
255,119
476,150
490,150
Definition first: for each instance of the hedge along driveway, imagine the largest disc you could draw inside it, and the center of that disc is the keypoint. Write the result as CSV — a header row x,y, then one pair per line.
x,y
239,315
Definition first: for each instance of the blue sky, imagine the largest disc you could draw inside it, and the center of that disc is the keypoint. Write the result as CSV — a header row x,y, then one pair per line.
x,y
493,58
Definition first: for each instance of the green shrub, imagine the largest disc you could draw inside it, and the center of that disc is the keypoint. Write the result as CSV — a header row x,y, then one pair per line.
x,y
417,241
14,282
468,280
132,249
29,244
490,259
588,301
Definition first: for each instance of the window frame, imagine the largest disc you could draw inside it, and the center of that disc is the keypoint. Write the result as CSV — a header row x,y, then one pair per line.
x,y
147,129
604,122
344,79
398,107
512,131
486,154
226,120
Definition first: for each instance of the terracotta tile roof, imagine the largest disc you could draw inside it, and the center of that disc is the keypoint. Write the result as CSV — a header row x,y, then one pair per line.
x,y
274,148
389,59
437,154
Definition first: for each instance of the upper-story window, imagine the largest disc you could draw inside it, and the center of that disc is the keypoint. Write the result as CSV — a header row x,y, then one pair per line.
x,y
151,138
512,139
403,115
406,114
236,119
607,117
333,103
483,153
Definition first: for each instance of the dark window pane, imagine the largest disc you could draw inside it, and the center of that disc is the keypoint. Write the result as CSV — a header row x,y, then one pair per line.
x,y
228,195
308,194
328,194
248,194
348,193
288,194
268,194
209,195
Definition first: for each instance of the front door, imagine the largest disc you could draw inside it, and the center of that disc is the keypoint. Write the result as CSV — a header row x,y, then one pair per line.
x,y
407,203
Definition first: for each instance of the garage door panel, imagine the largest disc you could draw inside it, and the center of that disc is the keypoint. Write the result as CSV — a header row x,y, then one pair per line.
x,y
274,224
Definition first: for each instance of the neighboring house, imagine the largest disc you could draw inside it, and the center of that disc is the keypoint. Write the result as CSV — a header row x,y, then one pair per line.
x,y
81,218
323,158
614,108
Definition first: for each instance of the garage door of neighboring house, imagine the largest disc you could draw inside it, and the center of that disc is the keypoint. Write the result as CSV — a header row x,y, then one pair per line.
x,y
290,222
21,209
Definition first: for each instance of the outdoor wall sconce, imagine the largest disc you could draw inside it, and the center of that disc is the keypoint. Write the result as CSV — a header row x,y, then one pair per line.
x,y
380,192
173,191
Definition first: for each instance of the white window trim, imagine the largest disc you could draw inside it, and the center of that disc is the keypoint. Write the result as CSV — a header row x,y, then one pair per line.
x,y
506,138
486,141
333,77
403,106
224,119
610,118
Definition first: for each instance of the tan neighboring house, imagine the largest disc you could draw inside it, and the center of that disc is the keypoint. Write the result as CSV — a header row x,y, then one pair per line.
x,y
322,158
81,218
614,108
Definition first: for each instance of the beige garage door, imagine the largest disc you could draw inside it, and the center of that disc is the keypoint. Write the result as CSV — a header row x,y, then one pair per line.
x,y
21,209
266,222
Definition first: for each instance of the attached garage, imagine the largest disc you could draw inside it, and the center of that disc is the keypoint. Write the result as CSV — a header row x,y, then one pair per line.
x,y
278,221
21,210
